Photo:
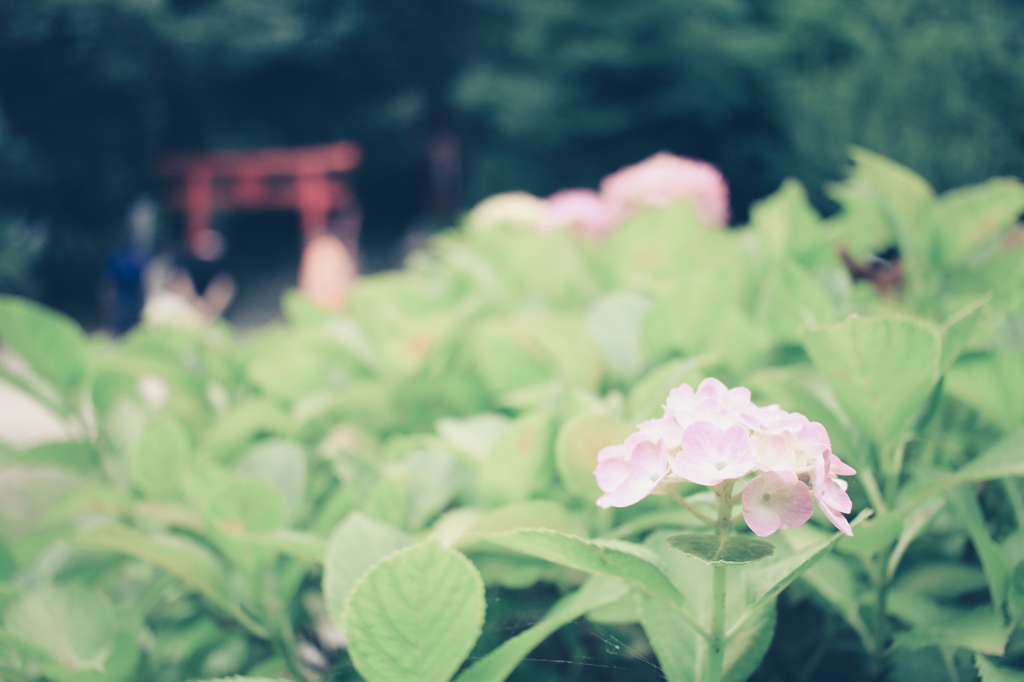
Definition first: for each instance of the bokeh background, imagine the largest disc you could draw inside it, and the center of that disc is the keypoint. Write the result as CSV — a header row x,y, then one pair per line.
x,y
523,94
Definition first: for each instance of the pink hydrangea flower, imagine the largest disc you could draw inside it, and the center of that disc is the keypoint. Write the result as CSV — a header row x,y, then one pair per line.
x,y
664,179
628,473
774,500
581,210
715,434
710,455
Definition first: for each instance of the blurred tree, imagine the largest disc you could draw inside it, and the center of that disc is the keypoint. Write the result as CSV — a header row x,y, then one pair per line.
x,y
544,93
566,90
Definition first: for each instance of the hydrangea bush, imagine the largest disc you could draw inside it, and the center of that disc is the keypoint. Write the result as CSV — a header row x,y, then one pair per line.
x,y
529,430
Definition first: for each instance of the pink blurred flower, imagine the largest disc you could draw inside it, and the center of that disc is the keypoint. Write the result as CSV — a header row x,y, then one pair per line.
x,y
628,473
581,210
710,455
774,500
664,179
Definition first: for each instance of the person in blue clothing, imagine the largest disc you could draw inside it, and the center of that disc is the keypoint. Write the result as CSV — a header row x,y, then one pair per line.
x,y
126,264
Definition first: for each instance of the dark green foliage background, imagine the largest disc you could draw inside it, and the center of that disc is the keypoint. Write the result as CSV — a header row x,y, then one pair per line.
x,y
545,93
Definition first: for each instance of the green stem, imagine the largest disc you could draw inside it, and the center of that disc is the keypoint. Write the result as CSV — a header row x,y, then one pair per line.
x,y
716,640
1016,501
690,508
881,615
867,479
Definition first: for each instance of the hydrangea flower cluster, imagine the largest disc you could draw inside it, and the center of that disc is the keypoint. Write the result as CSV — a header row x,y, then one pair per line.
x,y
715,434
664,179
656,182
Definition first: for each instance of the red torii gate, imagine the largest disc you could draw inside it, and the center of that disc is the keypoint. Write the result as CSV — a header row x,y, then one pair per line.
x,y
311,180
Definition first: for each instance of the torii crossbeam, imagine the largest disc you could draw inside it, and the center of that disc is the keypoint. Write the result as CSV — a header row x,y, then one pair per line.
x,y
311,180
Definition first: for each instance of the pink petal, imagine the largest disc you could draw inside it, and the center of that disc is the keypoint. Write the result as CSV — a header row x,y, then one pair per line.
x,y
838,467
837,519
780,492
835,497
772,452
649,461
627,482
711,455
614,452
761,519
627,494
611,474
712,388
701,474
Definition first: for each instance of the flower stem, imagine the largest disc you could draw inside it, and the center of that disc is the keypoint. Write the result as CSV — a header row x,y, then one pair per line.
x,y
690,508
716,641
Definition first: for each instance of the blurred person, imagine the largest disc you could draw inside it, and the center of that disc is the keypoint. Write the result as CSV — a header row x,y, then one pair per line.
x,y
200,276
325,272
124,267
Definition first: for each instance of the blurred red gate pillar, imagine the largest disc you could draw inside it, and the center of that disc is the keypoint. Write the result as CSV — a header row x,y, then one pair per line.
x,y
312,180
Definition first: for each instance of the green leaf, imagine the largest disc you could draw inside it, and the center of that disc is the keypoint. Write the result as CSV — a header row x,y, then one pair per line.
x,y
993,384
281,463
713,549
681,649
623,560
576,447
466,527
882,371
77,626
499,664
514,352
882,202
415,616
933,624
160,459
788,226
305,547
241,424
239,678
792,299
990,671
833,579
520,464
356,544
119,667
993,561
178,556
73,455
1002,460
942,580
473,436
8,562
616,321
52,343
875,535
233,502
684,321
957,330
968,218
769,581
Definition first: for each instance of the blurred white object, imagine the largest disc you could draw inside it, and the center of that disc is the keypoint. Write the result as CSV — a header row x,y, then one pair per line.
x,y
514,209
25,422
